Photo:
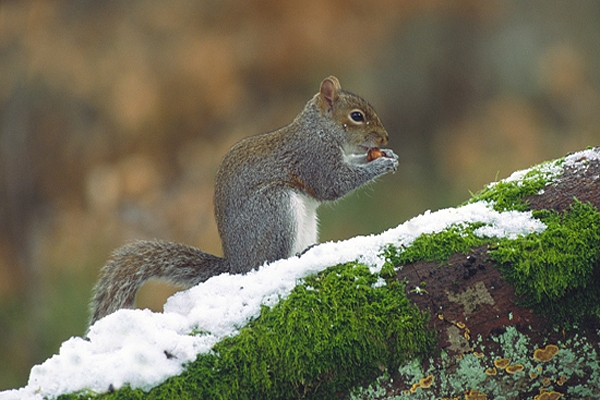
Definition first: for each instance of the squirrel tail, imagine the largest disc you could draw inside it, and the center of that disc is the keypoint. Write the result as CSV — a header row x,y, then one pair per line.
x,y
132,265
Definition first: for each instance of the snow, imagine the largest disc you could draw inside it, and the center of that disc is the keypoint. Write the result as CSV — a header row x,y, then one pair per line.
x,y
582,157
549,170
579,159
142,348
503,225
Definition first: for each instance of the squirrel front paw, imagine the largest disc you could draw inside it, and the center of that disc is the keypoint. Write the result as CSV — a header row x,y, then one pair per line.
x,y
389,153
388,161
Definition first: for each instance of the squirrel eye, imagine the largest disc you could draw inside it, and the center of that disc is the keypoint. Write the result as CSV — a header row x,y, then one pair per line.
x,y
357,116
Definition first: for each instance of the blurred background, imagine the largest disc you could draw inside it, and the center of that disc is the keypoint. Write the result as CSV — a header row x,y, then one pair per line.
x,y
114,116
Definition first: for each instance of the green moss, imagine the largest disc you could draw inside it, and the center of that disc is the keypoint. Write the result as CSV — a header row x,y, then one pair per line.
x,y
510,195
556,271
437,246
334,332
503,196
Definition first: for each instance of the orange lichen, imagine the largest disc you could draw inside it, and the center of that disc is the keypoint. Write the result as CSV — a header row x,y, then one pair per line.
x,y
561,380
546,381
502,363
475,395
467,336
477,354
533,375
544,395
460,325
513,369
545,354
426,382
423,383
491,371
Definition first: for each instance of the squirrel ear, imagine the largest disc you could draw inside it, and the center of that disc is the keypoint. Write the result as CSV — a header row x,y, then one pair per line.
x,y
329,90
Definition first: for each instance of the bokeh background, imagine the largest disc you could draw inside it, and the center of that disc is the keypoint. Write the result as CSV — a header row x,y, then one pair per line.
x,y
114,116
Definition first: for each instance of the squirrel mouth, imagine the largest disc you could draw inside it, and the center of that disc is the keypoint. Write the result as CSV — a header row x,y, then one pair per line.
x,y
359,149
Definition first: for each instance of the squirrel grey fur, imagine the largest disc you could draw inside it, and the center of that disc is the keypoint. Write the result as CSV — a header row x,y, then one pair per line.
x,y
267,191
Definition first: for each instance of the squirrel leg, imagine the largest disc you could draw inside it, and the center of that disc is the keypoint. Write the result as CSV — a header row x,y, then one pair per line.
x,y
263,229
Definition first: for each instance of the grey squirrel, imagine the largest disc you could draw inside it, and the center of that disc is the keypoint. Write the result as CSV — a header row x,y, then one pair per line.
x,y
267,191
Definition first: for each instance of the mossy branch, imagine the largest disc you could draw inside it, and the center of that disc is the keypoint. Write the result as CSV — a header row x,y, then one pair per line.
x,y
343,327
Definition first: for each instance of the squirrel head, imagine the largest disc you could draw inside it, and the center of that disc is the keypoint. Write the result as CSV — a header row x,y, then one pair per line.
x,y
353,114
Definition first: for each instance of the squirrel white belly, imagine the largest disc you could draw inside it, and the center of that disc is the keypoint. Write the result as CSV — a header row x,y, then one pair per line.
x,y
304,211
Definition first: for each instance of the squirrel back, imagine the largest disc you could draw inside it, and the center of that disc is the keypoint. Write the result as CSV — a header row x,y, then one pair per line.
x,y
267,191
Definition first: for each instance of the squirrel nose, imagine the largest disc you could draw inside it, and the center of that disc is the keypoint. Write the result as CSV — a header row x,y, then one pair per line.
x,y
382,137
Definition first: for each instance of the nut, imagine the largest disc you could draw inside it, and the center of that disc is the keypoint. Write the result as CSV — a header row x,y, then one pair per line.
x,y
373,154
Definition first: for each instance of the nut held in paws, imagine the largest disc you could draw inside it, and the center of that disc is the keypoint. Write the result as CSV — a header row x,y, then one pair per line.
x,y
374,154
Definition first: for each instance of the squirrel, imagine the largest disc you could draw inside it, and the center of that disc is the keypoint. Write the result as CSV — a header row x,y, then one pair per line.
x,y
267,191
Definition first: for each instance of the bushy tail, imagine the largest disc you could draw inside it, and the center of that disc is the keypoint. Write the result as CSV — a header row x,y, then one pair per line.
x,y
132,265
